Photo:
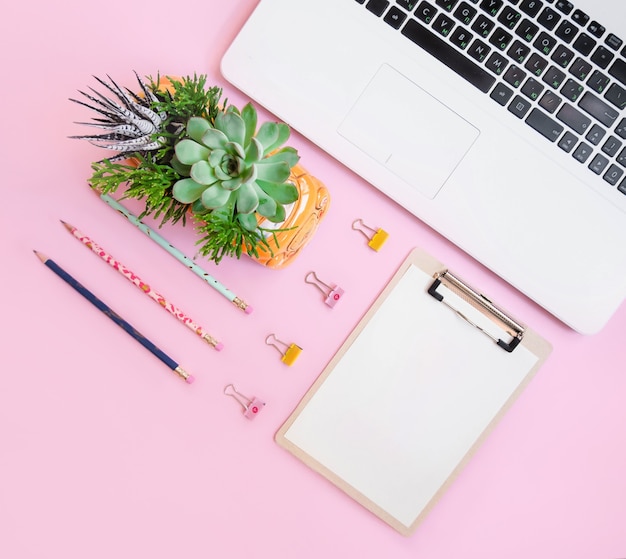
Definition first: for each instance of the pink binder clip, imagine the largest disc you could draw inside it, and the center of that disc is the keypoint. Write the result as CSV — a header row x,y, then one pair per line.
x,y
332,294
251,407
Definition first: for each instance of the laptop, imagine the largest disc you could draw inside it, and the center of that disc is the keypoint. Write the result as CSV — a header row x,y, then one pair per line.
x,y
499,123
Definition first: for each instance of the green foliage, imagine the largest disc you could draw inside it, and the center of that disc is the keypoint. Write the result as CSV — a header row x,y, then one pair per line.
x,y
223,235
191,98
148,181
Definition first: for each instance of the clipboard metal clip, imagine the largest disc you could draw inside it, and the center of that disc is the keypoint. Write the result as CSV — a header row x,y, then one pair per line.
x,y
481,303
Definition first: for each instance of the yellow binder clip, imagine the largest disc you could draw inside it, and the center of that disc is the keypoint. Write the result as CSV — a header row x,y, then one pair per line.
x,y
290,352
378,237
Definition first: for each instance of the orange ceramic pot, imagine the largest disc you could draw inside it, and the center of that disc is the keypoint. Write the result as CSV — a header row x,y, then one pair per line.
x,y
303,218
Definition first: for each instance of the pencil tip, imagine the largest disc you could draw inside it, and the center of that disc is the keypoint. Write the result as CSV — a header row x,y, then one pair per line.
x,y
40,256
67,225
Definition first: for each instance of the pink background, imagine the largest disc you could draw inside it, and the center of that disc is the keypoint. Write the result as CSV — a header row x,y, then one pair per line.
x,y
105,453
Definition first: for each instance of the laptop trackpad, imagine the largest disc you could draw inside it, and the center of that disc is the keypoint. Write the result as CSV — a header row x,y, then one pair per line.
x,y
406,129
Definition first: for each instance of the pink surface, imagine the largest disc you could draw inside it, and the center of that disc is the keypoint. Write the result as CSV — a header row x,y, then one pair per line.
x,y
104,453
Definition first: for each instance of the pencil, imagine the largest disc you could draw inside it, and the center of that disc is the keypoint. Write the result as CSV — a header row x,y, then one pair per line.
x,y
145,342
144,287
214,283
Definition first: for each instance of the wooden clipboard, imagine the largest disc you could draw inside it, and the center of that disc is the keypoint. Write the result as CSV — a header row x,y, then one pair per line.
x,y
412,392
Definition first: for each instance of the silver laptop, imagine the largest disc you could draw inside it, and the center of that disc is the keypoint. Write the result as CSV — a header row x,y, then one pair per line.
x,y
500,123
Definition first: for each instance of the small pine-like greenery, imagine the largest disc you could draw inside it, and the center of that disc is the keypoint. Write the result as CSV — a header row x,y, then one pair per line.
x,y
222,235
148,181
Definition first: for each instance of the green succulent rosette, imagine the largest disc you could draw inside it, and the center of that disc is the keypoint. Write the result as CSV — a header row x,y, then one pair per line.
x,y
234,171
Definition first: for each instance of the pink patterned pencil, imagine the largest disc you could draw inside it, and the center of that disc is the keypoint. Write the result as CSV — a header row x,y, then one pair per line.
x,y
144,287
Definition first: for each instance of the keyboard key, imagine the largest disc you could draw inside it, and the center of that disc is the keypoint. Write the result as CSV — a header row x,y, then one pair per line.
x,y
491,6
501,94
550,101
554,77
613,41
565,7
567,142
598,109
543,124
580,69
620,129
616,95
407,4
572,90
598,82
618,71
562,56
527,30
582,152
532,89
584,44
497,63
519,106
509,17
447,5
596,29
514,76
465,13
483,25
549,18
622,187
580,17
531,7
566,31
595,135
447,54
536,64
544,43
621,158
443,24
573,118
395,17
613,175
602,57
611,146
598,164
518,52
478,50
426,12
461,37
377,7
500,38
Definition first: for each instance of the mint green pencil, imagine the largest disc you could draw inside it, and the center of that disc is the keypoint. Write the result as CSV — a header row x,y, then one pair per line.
x,y
188,262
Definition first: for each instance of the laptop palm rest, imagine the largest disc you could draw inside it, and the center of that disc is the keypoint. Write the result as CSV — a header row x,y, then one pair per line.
x,y
408,131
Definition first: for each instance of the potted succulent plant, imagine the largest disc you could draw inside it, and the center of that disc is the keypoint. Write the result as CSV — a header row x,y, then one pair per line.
x,y
182,150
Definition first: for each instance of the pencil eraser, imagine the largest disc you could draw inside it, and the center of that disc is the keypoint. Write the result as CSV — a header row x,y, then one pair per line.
x,y
190,379
219,346
248,310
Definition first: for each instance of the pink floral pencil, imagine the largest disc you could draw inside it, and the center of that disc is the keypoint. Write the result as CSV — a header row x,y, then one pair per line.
x,y
137,281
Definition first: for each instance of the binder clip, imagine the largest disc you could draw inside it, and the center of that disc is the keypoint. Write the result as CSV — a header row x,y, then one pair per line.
x,y
251,407
289,352
332,294
376,239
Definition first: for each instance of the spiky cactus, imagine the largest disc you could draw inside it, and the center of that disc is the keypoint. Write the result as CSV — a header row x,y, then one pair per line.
x,y
130,123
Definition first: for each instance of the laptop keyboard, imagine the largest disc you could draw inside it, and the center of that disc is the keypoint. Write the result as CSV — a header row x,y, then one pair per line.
x,y
545,62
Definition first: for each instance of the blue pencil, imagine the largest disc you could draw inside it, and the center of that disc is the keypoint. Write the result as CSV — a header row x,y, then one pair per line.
x,y
176,253
145,342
